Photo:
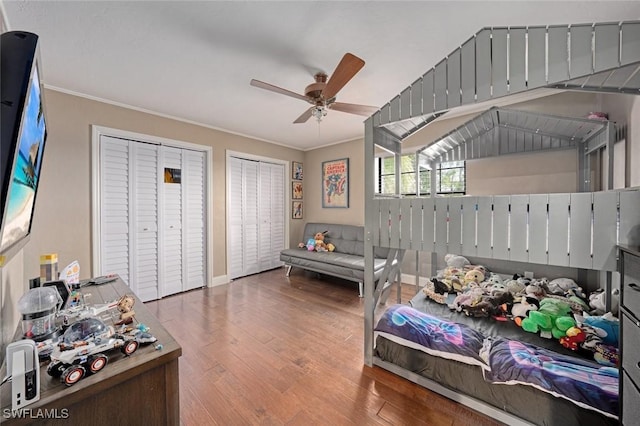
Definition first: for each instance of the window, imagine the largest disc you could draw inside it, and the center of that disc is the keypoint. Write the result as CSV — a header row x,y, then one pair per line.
x,y
450,177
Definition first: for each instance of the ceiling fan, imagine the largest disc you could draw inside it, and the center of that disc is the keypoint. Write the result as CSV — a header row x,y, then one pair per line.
x,y
322,94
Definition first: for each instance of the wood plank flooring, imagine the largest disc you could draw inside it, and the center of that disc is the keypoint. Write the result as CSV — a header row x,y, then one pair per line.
x,y
267,349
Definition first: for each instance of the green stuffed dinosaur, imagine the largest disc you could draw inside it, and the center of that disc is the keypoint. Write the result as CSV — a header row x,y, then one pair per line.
x,y
553,318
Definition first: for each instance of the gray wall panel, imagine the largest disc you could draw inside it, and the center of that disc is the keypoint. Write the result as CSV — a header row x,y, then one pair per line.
x,y
428,220
518,228
629,217
442,220
580,231
405,223
630,43
499,62
440,85
581,53
394,231
453,79
501,227
405,104
607,38
416,98
469,226
416,224
427,92
517,61
538,228
468,76
484,226
558,64
605,206
455,225
537,58
558,229
483,65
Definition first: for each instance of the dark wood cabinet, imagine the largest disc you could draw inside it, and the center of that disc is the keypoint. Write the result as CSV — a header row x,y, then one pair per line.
x,y
139,389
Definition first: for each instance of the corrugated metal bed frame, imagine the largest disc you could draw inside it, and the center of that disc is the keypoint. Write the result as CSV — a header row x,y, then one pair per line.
x,y
576,230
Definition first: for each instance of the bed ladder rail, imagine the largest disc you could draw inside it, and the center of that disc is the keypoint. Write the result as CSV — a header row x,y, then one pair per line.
x,y
390,274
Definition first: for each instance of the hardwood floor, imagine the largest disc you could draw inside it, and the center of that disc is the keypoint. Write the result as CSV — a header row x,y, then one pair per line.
x,y
267,349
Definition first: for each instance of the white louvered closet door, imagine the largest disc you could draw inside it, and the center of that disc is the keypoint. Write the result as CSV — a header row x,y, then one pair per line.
x,y
271,215
114,214
172,214
144,220
194,229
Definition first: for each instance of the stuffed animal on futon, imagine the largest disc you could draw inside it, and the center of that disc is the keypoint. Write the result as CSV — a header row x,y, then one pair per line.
x,y
552,319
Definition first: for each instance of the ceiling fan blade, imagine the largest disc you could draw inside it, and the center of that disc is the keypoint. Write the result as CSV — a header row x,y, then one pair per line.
x,y
272,88
304,117
346,69
365,110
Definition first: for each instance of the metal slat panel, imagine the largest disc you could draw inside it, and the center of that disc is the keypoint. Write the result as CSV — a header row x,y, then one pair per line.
x,y
468,66
483,65
428,220
517,62
440,85
581,52
453,79
518,228
538,228
629,208
441,220
405,223
630,43
385,206
501,227
427,92
605,206
580,231
416,98
484,226
536,75
558,229
405,103
558,64
394,109
499,62
416,224
606,46
469,226
455,225
394,223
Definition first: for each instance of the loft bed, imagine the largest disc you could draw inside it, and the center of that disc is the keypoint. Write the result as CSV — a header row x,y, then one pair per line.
x,y
578,231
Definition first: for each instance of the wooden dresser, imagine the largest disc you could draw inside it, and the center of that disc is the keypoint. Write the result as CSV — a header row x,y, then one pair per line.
x,y
630,335
140,389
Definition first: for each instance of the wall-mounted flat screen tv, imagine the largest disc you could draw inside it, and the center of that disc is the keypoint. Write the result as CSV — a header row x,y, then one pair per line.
x,y
24,133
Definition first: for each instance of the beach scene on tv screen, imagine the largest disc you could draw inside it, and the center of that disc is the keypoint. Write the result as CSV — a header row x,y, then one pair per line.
x,y
22,189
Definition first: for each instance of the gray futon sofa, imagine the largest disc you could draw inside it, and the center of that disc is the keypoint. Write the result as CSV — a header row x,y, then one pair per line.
x,y
346,261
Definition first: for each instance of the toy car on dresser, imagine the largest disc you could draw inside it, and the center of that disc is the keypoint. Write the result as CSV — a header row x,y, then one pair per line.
x,y
80,349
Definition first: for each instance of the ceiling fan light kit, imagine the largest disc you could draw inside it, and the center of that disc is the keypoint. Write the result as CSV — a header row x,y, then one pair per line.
x,y
322,93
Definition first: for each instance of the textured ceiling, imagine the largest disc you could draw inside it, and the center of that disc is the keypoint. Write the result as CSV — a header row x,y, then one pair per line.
x,y
194,60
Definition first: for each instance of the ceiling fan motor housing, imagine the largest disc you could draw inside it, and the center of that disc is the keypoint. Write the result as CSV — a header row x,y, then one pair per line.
x,y
314,90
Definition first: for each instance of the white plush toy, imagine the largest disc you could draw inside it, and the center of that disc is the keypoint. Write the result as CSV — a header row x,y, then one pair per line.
x,y
456,261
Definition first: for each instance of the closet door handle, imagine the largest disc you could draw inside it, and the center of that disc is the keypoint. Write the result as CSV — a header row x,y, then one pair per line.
x,y
634,286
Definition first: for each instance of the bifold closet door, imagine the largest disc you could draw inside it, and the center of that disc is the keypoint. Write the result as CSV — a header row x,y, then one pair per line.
x,y
172,214
194,214
271,215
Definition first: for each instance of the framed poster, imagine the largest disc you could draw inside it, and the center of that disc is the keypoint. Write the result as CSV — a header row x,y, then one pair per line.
x,y
296,170
335,183
296,190
296,210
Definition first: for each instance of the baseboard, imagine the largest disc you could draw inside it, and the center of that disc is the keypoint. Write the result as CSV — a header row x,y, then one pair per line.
x,y
219,280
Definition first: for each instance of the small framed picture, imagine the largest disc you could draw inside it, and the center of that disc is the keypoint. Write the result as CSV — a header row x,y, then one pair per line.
x,y
296,210
296,171
296,190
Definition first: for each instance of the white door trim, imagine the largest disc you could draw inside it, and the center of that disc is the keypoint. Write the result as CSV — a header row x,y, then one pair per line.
x,y
96,133
287,195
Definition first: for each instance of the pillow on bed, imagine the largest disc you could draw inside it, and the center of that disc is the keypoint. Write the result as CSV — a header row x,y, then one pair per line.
x,y
415,329
584,383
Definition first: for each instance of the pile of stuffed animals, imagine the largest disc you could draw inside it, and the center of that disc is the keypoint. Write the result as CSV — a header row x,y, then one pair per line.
x,y
317,243
557,309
